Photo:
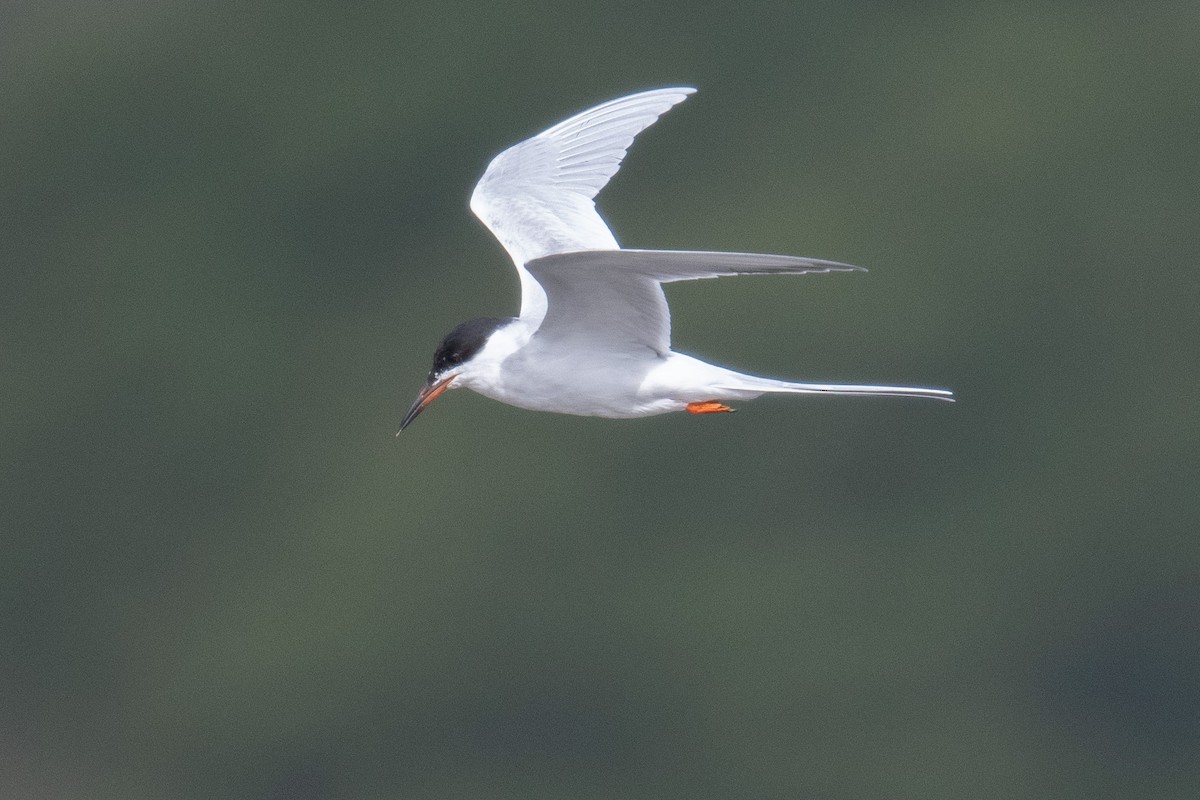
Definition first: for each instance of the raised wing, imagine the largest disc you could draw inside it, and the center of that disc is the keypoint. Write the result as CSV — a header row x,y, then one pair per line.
x,y
536,196
613,299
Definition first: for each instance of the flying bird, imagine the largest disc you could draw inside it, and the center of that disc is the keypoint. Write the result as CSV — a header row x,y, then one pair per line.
x,y
594,334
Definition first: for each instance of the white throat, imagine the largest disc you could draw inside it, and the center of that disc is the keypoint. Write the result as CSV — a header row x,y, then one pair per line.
x,y
483,372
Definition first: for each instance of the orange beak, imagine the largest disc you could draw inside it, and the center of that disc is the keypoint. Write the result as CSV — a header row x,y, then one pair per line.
x,y
427,396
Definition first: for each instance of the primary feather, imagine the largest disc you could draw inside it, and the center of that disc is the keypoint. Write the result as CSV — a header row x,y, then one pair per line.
x,y
616,297
536,196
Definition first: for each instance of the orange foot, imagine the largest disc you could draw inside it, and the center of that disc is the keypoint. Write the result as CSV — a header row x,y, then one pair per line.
x,y
707,407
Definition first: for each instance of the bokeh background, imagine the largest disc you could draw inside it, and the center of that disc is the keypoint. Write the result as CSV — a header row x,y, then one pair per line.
x,y
232,234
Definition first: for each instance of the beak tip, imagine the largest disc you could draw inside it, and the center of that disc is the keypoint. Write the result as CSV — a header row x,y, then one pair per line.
x,y
427,396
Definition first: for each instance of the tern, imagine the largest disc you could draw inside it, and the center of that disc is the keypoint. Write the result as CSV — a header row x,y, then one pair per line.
x,y
594,334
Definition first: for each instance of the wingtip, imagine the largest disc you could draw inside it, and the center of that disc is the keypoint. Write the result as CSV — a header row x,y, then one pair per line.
x,y
683,90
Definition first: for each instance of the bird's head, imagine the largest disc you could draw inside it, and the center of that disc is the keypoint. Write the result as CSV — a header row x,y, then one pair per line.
x,y
452,359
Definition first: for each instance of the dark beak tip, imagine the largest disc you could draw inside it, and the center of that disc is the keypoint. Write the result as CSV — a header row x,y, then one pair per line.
x,y
412,414
427,395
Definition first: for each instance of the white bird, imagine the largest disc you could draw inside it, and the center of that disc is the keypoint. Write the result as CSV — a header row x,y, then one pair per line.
x,y
594,334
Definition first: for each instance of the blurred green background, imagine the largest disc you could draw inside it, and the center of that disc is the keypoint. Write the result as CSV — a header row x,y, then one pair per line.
x,y
232,234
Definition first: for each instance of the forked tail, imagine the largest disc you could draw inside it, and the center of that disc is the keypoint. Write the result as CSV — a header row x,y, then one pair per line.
x,y
751,383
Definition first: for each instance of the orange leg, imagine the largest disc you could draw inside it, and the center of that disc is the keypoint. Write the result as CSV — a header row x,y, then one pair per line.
x,y
707,407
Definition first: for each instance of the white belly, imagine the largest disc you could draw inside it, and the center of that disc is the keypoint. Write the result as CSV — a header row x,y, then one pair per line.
x,y
615,386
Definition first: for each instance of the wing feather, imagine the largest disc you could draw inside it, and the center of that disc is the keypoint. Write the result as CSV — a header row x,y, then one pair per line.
x,y
666,266
536,196
613,299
